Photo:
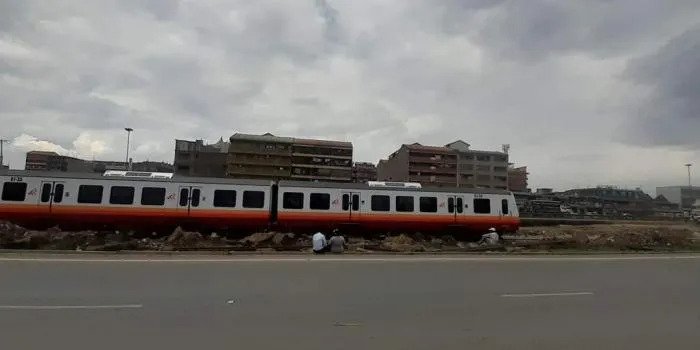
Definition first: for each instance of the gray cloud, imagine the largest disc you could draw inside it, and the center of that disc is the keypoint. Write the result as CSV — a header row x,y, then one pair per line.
x,y
540,75
670,115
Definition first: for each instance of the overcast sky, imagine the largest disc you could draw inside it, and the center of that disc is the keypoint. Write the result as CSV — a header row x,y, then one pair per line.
x,y
586,92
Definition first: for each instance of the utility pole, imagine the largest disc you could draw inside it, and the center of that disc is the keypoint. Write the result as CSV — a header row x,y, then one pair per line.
x,y
128,137
2,155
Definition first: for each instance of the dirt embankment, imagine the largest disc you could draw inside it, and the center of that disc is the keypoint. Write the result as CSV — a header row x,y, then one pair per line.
x,y
590,237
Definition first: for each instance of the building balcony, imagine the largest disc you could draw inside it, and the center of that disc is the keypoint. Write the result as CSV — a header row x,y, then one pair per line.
x,y
260,160
320,166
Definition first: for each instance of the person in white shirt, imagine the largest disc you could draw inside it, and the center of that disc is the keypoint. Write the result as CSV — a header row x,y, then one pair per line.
x,y
490,238
320,244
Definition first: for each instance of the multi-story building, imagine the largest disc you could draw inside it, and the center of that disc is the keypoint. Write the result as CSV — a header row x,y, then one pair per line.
x,y
684,196
363,172
517,179
272,157
259,157
321,160
452,165
52,161
195,158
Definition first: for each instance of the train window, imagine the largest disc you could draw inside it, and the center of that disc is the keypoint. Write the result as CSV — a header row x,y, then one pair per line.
x,y
121,195
346,201
460,205
320,201
293,200
404,203
45,192
14,191
380,203
504,206
355,202
428,204
482,205
223,198
451,204
152,196
194,201
90,194
58,193
253,199
184,196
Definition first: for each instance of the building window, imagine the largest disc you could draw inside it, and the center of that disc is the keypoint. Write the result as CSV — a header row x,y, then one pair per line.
x,y
152,196
320,201
253,199
14,191
428,204
90,194
121,195
483,158
293,200
224,198
504,206
380,203
404,203
482,206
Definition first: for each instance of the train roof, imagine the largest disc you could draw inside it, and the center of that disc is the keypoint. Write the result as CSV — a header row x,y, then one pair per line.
x,y
251,182
364,186
98,176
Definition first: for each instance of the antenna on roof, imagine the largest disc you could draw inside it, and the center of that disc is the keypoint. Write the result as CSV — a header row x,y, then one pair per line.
x,y
505,147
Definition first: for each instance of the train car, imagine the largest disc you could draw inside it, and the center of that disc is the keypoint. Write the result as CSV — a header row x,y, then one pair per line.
x,y
397,209
92,200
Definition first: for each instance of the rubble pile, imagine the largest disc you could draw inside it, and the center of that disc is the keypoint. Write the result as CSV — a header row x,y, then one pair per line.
x,y
618,237
589,237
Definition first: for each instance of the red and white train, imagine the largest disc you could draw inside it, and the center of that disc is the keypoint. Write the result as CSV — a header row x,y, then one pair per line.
x,y
151,201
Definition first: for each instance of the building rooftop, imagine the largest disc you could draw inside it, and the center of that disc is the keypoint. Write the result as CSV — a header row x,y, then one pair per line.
x,y
264,137
417,146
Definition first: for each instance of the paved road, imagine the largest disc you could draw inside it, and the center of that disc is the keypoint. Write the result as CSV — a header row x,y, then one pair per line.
x,y
380,303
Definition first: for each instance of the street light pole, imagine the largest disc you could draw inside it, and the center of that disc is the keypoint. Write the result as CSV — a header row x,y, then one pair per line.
x,y
128,138
2,155
688,166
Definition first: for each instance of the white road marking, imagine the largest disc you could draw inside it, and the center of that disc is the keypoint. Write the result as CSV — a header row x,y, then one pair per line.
x,y
535,295
243,259
70,307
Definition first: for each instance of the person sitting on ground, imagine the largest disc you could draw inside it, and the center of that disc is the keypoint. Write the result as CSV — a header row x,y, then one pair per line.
x,y
320,244
490,238
337,242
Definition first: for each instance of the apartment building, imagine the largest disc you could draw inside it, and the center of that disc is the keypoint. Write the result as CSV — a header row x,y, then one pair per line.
x,y
517,179
273,157
429,165
363,172
195,158
454,164
259,157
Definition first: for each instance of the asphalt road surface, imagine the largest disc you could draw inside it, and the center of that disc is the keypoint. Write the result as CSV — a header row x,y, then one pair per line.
x,y
451,302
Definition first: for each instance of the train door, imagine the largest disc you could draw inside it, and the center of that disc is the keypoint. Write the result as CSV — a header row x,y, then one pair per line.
x,y
351,204
51,193
455,206
189,198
